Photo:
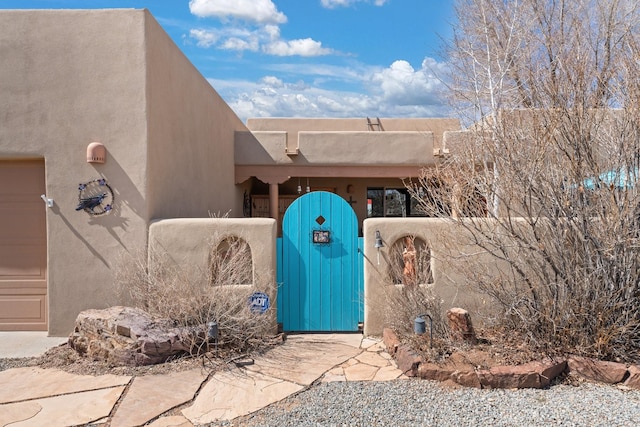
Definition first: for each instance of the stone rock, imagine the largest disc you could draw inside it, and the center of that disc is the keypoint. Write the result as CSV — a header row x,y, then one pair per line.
x,y
151,395
431,371
460,326
408,361
509,377
241,394
387,373
65,410
390,340
537,374
31,383
125,336
360,372
373,359
597,370
466,378
634,377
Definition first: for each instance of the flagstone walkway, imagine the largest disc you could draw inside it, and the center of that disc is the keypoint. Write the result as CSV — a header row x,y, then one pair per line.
x,y
36,397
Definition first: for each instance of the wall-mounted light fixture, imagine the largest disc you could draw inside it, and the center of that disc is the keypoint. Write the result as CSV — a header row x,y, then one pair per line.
x,y
308,188
378,244
299,187
96,153
47,201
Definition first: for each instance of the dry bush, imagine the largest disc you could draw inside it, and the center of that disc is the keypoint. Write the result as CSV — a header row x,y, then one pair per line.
x,y
193,298
404,303
407,289
554,150
566,234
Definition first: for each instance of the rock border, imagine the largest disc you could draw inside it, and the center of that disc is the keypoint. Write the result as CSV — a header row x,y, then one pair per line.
x,y
536,374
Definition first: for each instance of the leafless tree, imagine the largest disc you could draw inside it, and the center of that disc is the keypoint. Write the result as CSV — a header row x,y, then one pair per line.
x,y
545,176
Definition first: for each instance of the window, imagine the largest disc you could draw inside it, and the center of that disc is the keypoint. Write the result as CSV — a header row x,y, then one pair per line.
x,y
388,202
231,263
410,262
392,202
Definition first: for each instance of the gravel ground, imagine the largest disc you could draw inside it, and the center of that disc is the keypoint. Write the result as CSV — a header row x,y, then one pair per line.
x,y
425,403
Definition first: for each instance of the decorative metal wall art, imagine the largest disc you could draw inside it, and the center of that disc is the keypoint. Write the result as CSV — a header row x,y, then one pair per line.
x,y
95,197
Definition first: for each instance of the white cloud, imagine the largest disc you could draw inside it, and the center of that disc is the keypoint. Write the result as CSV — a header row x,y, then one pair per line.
x,y
265,38
300,47
333,4
260,11
400,84
396,91
272,81
204,38
235,43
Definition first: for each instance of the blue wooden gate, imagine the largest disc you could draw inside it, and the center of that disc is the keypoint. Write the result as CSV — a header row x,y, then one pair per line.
x,y
319,270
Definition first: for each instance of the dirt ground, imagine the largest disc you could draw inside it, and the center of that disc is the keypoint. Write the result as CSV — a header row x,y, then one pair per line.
x,y
494,348
67,359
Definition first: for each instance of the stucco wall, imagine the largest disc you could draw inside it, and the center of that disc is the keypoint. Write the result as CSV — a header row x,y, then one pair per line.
x,y
191,136
68,78
294,125
315,148
71,77
444,238
189,242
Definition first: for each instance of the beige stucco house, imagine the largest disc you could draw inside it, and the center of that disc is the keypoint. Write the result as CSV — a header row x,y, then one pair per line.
x,y
70,78
175,154
366,161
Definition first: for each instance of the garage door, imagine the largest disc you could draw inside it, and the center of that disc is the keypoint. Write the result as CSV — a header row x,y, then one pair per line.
x,y
23,249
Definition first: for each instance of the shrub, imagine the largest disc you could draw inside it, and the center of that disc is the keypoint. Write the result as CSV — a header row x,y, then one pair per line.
x,y
192,296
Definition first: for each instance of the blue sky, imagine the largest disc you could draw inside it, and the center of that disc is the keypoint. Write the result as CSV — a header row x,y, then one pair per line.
x,y
306,58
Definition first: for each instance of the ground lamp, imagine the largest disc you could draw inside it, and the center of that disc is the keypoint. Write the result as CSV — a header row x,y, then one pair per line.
x,y
212,333
419,326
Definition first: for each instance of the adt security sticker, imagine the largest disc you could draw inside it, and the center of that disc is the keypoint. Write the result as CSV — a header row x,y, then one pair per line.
x,y
259,302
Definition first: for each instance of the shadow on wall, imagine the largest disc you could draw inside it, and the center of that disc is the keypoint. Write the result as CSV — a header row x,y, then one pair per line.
x,y
125,193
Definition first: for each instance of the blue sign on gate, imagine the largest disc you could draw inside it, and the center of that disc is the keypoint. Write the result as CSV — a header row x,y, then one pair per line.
x,y
259,302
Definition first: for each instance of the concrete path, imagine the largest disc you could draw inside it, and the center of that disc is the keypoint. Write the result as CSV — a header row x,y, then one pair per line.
x,y
36,397
27,344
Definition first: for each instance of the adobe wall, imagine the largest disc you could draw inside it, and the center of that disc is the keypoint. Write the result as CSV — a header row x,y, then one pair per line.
x,y
445,239
190,136
294,126
72,77
188,242
68,78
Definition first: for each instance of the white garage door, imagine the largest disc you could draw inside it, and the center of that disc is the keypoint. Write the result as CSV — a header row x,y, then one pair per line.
x,y
23,247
